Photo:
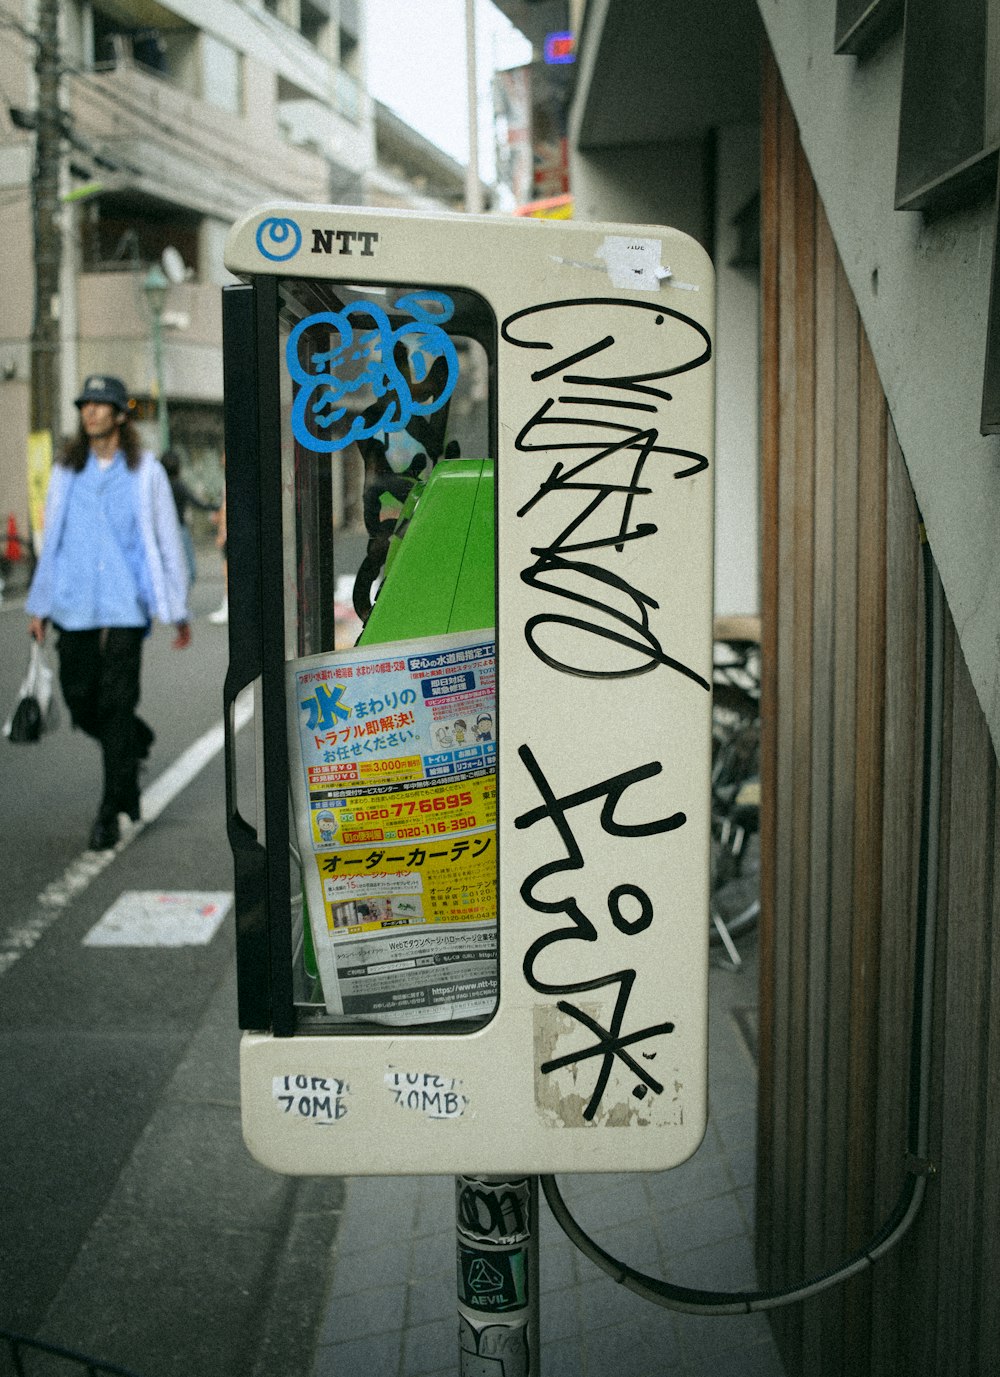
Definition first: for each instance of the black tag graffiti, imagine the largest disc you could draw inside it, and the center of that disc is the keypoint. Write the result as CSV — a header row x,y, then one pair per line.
x,y
606,605
613,421
609,1043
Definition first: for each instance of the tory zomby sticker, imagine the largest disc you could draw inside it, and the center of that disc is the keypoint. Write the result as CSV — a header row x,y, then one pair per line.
x,y
437,1097
317,1099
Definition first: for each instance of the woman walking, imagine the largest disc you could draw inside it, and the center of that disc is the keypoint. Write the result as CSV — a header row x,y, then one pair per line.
x,y
111,561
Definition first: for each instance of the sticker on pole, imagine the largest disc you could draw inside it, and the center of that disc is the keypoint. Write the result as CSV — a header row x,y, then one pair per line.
x,y
492,1281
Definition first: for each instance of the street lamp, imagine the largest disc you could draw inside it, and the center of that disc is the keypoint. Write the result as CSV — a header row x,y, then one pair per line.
x,y
155,289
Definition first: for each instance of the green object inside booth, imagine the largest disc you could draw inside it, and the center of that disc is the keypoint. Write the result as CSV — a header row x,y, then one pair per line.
x,y
439,570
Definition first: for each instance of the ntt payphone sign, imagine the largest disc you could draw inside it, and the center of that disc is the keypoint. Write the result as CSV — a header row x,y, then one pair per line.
x,y
594,1057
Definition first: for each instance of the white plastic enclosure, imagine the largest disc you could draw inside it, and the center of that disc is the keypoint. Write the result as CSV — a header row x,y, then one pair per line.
x,y
595,1058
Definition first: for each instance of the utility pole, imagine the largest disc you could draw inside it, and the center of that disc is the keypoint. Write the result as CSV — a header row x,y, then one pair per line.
x,y
473,188
47,229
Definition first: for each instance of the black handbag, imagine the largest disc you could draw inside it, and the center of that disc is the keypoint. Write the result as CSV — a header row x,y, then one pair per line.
x,y
35,711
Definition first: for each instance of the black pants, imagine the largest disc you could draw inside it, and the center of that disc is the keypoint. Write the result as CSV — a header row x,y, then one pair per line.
x,y
99,675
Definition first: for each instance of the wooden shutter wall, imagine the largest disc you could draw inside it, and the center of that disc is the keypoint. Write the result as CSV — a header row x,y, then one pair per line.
x,y
841,775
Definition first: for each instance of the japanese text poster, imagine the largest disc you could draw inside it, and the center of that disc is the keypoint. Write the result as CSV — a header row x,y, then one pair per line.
x,y
393,751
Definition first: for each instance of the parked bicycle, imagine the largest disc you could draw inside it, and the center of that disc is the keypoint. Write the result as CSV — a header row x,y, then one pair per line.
x,y
735,879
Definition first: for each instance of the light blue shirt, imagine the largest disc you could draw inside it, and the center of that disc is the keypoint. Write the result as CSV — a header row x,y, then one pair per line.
x,y
155,565
100,576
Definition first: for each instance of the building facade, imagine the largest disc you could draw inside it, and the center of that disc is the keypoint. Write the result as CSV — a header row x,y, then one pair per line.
x,y
174,119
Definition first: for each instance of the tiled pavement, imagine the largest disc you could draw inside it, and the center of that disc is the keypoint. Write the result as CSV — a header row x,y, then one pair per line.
x,y
392,1308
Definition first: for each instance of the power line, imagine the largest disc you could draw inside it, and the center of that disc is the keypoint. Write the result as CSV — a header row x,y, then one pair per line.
x,y
168,130
181,138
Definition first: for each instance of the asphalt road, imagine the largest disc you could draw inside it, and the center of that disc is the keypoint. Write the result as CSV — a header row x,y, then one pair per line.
x,y
135,1226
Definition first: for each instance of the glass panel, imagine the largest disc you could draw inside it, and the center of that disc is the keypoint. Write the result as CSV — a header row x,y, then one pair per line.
x,y
387,433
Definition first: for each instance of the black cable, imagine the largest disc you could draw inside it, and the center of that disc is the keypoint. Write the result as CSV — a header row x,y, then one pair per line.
x,y
903,1213
703,1302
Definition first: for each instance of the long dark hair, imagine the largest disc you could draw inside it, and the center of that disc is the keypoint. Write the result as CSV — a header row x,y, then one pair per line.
x,y
129,442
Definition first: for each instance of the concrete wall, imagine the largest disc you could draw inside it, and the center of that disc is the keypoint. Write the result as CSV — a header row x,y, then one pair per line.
x,y
14,406
115,335
669,184
737,374
630,184
923,291
212,235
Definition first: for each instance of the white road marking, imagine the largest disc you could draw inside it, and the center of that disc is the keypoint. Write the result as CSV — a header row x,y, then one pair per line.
x,y
55,898
153,918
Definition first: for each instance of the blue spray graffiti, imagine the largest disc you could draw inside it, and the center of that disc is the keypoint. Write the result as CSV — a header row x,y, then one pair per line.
x,y
367,356
278,238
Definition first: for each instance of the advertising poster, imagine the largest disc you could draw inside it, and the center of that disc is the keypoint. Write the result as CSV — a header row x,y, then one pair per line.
x,y
393,751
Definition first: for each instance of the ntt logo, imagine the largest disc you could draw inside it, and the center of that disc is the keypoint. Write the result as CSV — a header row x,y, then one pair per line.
x,y
278,238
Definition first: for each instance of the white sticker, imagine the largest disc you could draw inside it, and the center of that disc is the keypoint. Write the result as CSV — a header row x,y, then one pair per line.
x,y
633,262
319,1099
422,1092
152,918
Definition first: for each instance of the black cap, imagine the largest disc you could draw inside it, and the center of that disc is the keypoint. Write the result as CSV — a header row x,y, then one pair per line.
x,y
102,388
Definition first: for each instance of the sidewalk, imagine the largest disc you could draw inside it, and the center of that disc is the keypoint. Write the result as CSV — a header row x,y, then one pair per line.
x,y
392,1308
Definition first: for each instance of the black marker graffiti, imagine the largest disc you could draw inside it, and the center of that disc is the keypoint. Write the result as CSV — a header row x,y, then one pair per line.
x,y
611,1042
609,423
610,610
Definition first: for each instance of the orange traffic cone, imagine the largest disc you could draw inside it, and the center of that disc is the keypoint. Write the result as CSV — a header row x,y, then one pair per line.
x,y
13,551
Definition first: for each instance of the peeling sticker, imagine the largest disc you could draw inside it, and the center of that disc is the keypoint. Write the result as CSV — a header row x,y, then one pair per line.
x,y
663,276
562,1097
633,263
318,1099
423,1092
573,263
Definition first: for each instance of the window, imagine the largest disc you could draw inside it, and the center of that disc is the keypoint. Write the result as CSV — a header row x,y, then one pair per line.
x,y
394,815
314,22
113,39
949,119
126,232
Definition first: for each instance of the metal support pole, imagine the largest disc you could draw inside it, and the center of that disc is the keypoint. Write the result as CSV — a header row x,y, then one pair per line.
x,y
473,187
497,1246
155,288
162,418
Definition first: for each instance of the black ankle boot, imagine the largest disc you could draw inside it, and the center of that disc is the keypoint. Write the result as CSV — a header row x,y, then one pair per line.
x,y
104,834
130,802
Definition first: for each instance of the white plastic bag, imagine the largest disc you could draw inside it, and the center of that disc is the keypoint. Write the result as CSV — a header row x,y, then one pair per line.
x,y
35,711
